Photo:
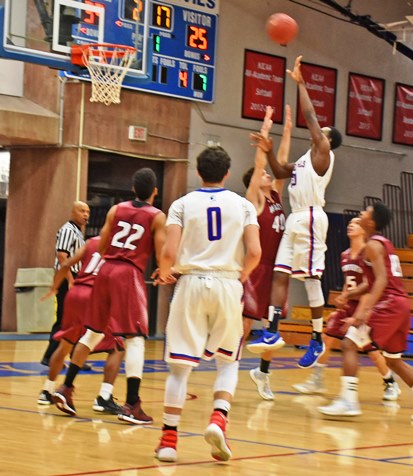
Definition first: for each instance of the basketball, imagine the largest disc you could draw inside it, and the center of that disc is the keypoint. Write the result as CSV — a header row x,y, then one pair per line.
x,y
281,28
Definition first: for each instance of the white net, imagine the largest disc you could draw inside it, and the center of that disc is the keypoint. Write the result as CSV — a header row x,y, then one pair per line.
x,y
107,65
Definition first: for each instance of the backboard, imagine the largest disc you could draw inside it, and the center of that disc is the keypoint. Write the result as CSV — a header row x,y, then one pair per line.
x,y
42,31
176,40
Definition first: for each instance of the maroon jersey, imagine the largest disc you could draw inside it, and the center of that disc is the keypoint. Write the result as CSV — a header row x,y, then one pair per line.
x,y
352,269
77,301
257,289
393,270
390,317
131,236
272,224
91,262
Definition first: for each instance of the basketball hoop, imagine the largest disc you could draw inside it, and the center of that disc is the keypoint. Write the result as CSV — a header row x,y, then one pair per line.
x,y
107,65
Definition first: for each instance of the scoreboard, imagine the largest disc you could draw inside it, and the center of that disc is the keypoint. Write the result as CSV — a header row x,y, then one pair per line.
x,y
181,41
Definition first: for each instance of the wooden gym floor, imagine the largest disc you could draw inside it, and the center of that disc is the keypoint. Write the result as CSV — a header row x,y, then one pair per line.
x,y
284,437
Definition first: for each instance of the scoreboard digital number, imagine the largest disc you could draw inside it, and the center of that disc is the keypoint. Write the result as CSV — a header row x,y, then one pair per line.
x,y
182,37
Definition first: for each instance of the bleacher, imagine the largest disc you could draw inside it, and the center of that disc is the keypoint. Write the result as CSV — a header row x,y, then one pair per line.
x,y
296,329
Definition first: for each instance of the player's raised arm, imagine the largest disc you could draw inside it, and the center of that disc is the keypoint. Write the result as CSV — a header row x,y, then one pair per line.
x,y
321,158
254,193
283,152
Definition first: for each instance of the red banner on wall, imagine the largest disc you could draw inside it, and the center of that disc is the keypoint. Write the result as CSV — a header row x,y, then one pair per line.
x,y
403,115
321,84
365,106
264,84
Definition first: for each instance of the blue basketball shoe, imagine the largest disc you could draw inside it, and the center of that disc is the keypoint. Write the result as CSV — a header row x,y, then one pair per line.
x,y
314,352
267,341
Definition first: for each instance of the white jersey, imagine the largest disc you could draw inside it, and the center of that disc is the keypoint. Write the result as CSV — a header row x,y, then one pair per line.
x,y
213,222
307,188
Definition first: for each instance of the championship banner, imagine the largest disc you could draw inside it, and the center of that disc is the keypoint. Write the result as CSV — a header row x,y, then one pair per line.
x,y
365,103
403,115
263,85
321,84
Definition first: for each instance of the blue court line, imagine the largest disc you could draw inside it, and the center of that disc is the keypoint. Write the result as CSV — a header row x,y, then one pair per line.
x,y
365,458
26,369
41,336
13,336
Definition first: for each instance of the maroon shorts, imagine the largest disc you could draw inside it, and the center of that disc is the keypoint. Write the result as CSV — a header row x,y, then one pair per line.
x,y
257,292
336,320
390,324
119,298
76,310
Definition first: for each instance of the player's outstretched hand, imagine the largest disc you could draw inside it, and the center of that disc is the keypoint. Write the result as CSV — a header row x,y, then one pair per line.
x,y
295,74
258,140
267,123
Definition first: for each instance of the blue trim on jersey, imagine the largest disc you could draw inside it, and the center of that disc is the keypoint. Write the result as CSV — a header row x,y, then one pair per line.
x,y
189,358
211,190
224,351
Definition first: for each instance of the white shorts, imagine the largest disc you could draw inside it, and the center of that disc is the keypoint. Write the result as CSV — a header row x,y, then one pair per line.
x,y
302,249
205,319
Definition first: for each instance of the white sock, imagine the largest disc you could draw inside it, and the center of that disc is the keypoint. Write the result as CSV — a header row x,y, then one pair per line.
x,y
388,375
49,386
171,420
349,388
106,390
319,369
221,404
317,324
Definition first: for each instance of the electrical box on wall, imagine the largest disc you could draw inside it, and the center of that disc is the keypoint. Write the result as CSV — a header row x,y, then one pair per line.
x,y
137,133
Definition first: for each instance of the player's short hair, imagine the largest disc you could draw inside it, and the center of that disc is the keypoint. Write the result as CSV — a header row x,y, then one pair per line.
x,y
335,137
213,164
246,178
144,183
381,215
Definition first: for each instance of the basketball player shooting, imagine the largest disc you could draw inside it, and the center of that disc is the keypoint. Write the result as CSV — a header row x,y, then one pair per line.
x,y
302,249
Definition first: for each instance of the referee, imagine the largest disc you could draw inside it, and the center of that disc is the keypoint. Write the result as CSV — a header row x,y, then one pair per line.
x,y
69,239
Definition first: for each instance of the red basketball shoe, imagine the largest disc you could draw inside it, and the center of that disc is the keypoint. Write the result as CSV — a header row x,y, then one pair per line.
x,y
135,414
215,436
166,450
62,398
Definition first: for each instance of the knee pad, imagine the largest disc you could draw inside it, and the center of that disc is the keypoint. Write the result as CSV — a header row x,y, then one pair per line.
x,y
134,356
176,385
227,376
359,335
91,338
392,356
314,292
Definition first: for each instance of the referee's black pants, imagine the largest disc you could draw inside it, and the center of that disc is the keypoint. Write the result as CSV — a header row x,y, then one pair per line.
x,y
53,344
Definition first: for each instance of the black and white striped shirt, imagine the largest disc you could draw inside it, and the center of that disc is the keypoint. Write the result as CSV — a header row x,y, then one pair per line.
x,y
69,239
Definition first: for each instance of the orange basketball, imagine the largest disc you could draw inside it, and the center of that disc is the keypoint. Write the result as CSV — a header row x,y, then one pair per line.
x,y
281,28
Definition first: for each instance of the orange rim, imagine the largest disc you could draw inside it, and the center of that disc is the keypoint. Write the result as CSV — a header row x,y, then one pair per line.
x,y
77,51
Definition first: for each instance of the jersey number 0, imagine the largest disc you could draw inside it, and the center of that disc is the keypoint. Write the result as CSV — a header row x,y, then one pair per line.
x,y
214,223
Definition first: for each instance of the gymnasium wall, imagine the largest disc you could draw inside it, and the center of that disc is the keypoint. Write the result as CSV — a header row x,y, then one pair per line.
x,y
363,165
179,130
